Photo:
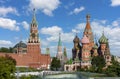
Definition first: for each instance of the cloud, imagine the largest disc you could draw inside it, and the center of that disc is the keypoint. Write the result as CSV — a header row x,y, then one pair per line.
x,y
53,30
7,10
69,5
77,10
116,22
67,37
5,43
46,6
115,3
44,43
9,24
25,25
53,33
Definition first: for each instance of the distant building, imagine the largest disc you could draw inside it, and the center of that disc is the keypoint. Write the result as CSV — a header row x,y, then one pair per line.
x,y
59,49
20,48
29,55
61,55
86,48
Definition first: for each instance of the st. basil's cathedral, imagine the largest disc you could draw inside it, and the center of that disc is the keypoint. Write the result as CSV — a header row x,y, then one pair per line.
x,y
84,49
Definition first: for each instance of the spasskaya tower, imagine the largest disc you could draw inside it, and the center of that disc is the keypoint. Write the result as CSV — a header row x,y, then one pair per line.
x,y
33,45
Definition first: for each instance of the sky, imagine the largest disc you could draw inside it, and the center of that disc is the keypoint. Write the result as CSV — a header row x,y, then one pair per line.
x,y
67,17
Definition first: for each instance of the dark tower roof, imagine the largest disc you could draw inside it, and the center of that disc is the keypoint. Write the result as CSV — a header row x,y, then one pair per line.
x,y
88,27
20,44
76,39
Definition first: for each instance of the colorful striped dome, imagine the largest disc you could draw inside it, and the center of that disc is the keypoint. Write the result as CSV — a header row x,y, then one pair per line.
x,y
103,39
85,39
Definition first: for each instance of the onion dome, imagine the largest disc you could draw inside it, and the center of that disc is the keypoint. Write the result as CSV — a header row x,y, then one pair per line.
x,y
20,44
85,39
76,39
103,39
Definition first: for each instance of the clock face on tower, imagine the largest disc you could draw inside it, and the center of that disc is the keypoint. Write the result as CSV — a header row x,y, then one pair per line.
x,y
33,35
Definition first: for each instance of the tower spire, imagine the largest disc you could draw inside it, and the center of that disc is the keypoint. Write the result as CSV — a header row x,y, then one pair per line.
x,y
59,42
88,31
34,18
33,41
103,31
59,49
88,17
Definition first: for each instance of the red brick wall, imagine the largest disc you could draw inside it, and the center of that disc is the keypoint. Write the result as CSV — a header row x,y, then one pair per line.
x,y
27,59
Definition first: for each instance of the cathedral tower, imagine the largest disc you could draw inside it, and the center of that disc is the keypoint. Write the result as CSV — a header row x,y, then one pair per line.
x,y
76,49
103,44
88,32
107,55
86,56
33,45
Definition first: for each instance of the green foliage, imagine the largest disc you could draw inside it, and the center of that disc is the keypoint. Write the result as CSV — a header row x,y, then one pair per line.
x,y
24,69
6,50
7,67
65,53
55,64
98,63
114,69
69,61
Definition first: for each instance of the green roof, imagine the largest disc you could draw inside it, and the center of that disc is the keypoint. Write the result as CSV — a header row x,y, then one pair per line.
x,y
65,53
47,51
103,39
20,44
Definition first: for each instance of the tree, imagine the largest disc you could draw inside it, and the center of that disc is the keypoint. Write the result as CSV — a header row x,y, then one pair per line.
x,y
98,62
114,69
69,61
7,67
6,50
55,64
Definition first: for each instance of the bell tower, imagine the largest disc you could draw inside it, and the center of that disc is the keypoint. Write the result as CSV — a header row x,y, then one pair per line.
x,y
33,45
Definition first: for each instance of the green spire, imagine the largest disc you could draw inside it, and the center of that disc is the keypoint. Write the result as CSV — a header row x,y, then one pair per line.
x,y
59,42
47,51
65,53
34,18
